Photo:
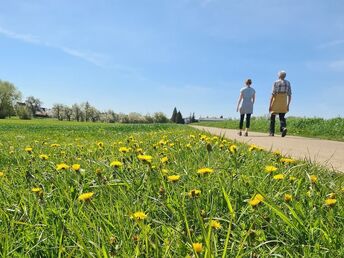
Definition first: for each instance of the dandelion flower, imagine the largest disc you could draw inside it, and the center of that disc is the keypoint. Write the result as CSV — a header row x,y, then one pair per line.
x,y
28,149
287,161
173,178
258,198
203,171
270,169
37,190
1,174
116,164
164,171
164,160
124,149
43,157
313,178
233,148
215,224
139,215
100,144
198,247
194,193
279,177
54,145
62,166
145,158
76,167
85,196
288,197
330,202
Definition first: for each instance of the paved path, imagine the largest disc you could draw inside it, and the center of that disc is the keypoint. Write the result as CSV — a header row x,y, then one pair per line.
x,y
324,152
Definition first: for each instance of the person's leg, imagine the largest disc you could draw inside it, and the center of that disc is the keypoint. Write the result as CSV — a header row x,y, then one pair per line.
x,y
272,124
241,123
283,124
248,122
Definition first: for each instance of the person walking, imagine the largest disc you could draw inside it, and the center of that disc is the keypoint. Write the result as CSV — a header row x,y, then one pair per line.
x,y
279,103
246,99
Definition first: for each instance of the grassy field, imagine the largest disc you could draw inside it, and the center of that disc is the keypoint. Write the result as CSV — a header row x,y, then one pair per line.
x,y
332,129
107,190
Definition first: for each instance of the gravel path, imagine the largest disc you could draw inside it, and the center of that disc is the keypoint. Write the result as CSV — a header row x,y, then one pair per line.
x,y
324,152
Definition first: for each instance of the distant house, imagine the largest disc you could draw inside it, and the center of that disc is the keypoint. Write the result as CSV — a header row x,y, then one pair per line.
x,y
211,119
40,112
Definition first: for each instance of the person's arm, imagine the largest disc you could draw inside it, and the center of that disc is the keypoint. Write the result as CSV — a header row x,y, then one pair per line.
x,y
289,100
239,101
253,98
270,105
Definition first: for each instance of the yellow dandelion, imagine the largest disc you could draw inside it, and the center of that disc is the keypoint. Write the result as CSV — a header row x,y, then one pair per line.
x,y
54,145
188,145
288,197
279,177
330,202
62,166
124,149
233,148
164,160
98,171
287,161
76,167
173,178
28,149
192,136
257,199
270,169
313,179
171,144
2,174
100,144
203,171
139,215
43,157
145,158
116,164
215,224
37,190
198,247
277,153
85,196
194,193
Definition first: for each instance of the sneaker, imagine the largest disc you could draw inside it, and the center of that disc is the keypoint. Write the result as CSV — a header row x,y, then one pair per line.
x,y
284,132
271,134
239,133
246,133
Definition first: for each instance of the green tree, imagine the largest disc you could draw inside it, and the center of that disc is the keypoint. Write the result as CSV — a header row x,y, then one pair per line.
x,y
58,111
9,95
180,119
174,115
34,104
160,117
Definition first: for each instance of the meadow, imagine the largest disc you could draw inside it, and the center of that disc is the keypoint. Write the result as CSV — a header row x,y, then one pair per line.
x,y
110,190
331,129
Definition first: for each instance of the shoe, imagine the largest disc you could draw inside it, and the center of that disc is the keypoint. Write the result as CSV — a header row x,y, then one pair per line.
x,y
271,134
246,134
284,132
239,133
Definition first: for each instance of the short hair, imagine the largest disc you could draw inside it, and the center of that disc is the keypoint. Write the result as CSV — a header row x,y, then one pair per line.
x,y
282,74
248,82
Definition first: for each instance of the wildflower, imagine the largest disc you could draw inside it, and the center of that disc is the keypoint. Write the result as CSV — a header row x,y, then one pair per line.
x,y
258,198
54,145
85,196
164,171
171,145
139,151
1,174
203,137
124,149
139,215
76,167
100,145
198,247
188,145
194,193
98,171
192,136
270,169
164,160
332,196
292,178
203,171
215,224
288,197
279,177
330,202
43,157
233,148
37,190
145,158
287,161
277,153
313,179
254,147
62,166
28,149
116,164
173,178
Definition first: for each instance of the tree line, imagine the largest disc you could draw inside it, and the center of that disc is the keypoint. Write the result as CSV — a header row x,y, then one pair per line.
x,y
11,105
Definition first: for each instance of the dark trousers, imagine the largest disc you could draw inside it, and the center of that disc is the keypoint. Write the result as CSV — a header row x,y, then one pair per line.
x,y
283,122
248,120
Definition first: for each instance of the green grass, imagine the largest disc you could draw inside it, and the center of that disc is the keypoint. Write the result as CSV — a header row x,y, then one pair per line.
x,y
54,223
331,129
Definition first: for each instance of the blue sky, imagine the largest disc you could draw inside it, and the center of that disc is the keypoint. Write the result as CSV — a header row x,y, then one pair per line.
x,y
152,55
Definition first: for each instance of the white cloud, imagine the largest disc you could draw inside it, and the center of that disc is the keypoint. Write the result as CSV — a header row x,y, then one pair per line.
x,y
90,57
